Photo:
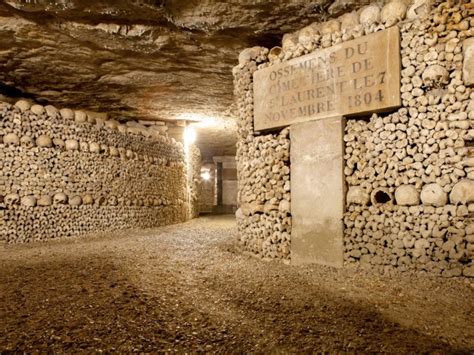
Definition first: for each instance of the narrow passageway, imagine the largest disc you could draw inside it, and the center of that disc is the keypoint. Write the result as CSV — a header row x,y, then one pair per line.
x,y
188,287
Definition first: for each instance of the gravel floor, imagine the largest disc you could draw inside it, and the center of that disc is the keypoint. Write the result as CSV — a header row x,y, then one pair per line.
x,y
188,288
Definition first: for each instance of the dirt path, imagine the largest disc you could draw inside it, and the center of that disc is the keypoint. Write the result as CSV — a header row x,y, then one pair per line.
x,y
188,288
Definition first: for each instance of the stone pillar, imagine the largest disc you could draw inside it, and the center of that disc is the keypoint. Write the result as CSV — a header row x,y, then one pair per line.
x,y
317,191
468,62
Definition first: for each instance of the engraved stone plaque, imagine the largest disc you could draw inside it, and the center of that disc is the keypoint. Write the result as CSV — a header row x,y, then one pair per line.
x,y
351,78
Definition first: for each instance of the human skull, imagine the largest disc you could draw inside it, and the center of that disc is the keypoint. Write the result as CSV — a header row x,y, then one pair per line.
x,y
419,9
393,12
330,27
23,105
60,198
370,15
114,152
58,143
75,201
67,114
113,201
289,41
250,54
27,141
462,192
407,195
433,195
37,109
87,199
28,201
435,76
11,199
80,116
72,144
308,35
51,111
100,201
94,147
112,124
358,196
84,146
349,20
11,138
45,200
44,141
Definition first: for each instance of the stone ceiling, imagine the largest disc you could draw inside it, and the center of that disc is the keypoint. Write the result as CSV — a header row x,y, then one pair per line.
x,y
143,59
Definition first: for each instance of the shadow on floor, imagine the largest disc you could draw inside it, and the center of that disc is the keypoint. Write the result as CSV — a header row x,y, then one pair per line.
x,y
89,303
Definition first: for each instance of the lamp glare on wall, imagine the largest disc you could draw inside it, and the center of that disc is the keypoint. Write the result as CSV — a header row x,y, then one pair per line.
x,y
206,176
189,135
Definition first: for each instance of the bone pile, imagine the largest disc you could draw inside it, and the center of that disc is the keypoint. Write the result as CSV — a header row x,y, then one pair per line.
x,y
263,219
410,174
194,160
67,173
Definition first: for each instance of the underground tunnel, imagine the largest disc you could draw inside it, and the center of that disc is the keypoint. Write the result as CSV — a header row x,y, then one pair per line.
x,y
236,177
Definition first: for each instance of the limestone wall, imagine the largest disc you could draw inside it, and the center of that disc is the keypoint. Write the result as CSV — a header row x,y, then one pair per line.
x,y
66,174
226,183
409,173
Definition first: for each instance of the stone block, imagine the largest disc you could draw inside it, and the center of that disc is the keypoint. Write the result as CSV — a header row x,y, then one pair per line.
x,y
468,65
317,185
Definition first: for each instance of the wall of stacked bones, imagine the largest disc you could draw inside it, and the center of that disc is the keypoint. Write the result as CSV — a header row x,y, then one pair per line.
x,y
194,161
66,173
409,173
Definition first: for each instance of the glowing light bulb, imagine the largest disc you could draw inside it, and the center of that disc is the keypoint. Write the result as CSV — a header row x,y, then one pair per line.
x,y
206,175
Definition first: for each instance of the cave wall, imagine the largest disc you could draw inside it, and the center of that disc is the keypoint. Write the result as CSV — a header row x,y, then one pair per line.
x,y
66,173
226,184
229,181
208,189
409,173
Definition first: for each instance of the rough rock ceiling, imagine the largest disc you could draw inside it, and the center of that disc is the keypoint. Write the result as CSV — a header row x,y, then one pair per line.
x,y
142,59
